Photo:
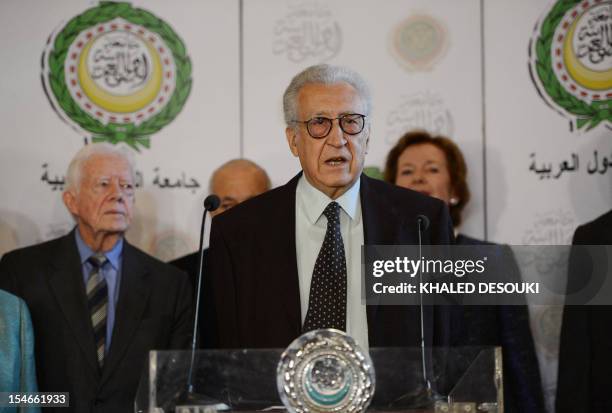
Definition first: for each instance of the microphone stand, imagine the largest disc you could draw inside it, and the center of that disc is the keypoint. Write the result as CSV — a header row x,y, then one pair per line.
x,y
423,396
194,402
423,221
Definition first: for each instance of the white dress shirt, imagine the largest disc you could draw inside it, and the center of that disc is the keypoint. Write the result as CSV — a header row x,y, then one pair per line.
x,y
310,228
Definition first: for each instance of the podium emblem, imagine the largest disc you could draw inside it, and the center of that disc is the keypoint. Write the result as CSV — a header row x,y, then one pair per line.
x,y
325,371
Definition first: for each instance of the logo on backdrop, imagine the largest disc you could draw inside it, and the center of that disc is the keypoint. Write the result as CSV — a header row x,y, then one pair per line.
x,y
423,110
552,227
570,61
167,245
308,32
117,72
419,42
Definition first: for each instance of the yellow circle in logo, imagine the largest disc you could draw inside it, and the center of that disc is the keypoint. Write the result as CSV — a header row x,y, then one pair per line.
x,y
126,100
583,75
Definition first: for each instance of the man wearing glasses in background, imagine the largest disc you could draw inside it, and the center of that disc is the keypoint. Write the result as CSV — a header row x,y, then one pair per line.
x,y
288,261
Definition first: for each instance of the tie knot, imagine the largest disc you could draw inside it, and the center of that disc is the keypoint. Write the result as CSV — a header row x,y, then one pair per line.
x,y
97,260
332,212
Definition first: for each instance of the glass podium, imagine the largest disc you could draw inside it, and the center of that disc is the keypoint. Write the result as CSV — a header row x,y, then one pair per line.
x,y
462,380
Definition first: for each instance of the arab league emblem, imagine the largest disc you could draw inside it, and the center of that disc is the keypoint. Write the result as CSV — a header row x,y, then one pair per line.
x,y
325,371
117,72
571,60
419,42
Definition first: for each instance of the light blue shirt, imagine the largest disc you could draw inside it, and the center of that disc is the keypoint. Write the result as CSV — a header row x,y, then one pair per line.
x,y
112,275
310,228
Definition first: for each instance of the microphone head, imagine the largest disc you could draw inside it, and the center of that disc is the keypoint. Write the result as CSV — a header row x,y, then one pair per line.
x,y
423,222
211,202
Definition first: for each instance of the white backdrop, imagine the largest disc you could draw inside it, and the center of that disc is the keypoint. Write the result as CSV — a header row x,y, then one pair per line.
x,y
463,73
203,135
525,207
401,98
522,207
279,39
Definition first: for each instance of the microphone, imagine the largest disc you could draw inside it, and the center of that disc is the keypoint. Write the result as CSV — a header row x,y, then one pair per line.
x,y
211,203
423,223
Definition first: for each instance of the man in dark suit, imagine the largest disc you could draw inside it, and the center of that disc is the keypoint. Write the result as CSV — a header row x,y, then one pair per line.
x,y
233,182
289,260
98,304
585,352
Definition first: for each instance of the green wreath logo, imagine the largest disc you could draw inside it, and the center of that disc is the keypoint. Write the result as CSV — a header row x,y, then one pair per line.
x,y
571,61
118,72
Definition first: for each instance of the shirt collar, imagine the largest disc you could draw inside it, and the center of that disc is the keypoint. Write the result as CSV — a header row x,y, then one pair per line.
x,y
113,256
316,201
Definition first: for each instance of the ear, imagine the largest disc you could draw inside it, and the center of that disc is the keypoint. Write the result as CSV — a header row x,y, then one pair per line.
x,y
292,137
70,200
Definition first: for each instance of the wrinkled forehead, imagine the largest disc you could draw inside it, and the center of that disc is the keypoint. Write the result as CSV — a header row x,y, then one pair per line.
x,y
107,166
329,99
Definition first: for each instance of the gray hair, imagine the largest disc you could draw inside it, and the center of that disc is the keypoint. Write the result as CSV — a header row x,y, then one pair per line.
x,y
75,168
327,75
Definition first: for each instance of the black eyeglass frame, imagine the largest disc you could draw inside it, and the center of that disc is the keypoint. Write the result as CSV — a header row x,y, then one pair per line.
x,y
331,124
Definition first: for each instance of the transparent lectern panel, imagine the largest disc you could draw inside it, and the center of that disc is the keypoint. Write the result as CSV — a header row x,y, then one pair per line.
x,y
461,379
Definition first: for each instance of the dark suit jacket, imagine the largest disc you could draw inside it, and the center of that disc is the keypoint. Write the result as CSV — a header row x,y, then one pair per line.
x,y
254,272
508,327
190,264
154,311
585,353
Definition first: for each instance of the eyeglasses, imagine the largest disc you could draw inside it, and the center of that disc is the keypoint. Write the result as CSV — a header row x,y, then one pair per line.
x,y
319,126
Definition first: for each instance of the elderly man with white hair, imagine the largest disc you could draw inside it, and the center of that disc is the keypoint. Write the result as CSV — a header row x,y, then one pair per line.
x,y
98,304
271,256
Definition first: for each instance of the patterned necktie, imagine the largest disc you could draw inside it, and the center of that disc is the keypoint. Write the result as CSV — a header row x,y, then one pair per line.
x,y
327,301
97,299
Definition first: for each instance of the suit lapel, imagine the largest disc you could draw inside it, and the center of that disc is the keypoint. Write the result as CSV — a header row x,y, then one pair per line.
x,y
375,230
385,224
286,269
66,284
134,291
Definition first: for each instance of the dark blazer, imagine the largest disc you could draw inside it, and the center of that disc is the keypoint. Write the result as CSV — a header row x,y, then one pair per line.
x,y
508,327
190,264
154,311
254,274
585,353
